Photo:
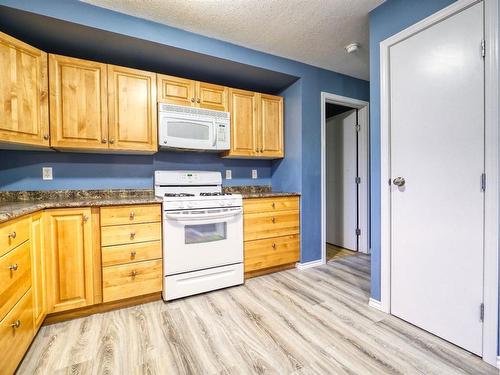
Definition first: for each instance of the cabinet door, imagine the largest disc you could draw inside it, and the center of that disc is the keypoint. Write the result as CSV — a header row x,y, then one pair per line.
x,y
243,108
78,103
271,126
175,90
211,96
38,271
132,110
70,258
24,115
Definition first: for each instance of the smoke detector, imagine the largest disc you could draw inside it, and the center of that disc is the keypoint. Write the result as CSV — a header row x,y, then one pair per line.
x,y
352,47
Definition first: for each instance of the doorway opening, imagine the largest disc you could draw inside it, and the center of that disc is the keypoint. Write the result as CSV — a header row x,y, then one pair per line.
x,y
344,177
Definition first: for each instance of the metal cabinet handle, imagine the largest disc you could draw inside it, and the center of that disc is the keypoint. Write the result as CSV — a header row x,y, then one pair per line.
x,y
16,324
399,181
273,205
104,140
274,220
46,137
133,253
13,267
12,235
133,274
85,218
192,100
132,235
198,100
111,141
274,246
132,215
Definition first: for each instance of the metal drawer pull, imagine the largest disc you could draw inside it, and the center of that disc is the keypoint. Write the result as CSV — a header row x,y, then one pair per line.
x,y
104,140
274,205
133,274
198,100
133,253
132,214
192,100
85,218
16,324
112,140
274,220
13,267
46,137
132,235
274,246
12,235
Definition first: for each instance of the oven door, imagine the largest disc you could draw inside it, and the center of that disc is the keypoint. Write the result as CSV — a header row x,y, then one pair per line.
x,y
199,239
184,131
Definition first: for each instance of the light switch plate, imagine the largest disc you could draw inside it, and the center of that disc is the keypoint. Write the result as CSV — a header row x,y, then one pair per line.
x,y
254,173
229,174
47,173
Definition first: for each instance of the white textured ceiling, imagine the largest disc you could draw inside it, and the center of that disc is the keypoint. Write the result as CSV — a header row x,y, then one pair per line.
x,y
311,31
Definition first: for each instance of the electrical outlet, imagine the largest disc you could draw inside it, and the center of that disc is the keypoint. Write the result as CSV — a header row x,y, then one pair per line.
x,y
47,173
254,173
229,175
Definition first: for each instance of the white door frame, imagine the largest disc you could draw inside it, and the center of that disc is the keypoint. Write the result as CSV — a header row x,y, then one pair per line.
x,y
491,231
363,163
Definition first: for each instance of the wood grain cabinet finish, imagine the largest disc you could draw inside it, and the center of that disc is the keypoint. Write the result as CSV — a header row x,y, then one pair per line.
x,y
132,110
256,125
14,233
181,91
271,229
15,277
24,118
38,270
131,251
78,103
16,333
70,263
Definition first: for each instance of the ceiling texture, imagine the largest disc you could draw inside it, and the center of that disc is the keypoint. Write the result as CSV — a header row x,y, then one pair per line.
x,y
310,31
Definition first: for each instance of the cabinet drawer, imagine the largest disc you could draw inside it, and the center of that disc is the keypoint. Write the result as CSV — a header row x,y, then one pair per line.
x,y
16,332
121,254
15,276
271,252
131,214
131,280
257,205
13,233
270,224
129,234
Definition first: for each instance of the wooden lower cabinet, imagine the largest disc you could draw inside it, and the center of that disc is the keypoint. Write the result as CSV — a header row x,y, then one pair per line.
x,y
38,271
271,235
69,254
16,333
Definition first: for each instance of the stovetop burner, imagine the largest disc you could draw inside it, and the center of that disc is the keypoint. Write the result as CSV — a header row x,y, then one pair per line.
x,y
213,194
179,195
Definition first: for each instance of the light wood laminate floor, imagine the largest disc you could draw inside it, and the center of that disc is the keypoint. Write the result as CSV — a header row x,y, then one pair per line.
x,y
334,251
315,321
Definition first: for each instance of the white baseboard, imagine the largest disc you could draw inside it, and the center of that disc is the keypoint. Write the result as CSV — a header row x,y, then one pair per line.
x,y
375,304
498,361
314,263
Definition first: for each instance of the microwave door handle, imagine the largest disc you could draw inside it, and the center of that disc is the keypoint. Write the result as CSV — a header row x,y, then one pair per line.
x,y
204,216
214,127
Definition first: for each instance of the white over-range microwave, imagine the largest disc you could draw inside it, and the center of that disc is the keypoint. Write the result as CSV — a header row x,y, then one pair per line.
x,y
190,128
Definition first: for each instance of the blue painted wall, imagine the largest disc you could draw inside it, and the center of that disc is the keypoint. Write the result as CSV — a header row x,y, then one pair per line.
x,y
299,171
386,20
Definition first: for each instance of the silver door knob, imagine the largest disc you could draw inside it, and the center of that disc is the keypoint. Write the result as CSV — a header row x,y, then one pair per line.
x,y
399,181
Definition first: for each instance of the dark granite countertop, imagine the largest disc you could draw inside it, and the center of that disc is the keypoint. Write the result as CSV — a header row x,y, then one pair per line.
x,y
16,204
259,191
270,194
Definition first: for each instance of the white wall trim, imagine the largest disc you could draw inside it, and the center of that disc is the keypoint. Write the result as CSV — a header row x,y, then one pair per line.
x,y
498,361
364,165
375,304
491,257
314,263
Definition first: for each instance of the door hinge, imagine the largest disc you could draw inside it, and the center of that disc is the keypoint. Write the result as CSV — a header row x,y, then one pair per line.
x,y
483,182
481,312
357,127
358,232
483,48
357,180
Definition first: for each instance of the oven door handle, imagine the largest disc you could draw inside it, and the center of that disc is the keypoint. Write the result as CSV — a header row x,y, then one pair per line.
x,y
206,215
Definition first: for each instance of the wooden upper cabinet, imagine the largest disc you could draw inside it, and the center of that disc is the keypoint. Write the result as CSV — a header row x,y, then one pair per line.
x,y
78,103
271,126
175,90
132,110
69,255
244,123
24,114
211,96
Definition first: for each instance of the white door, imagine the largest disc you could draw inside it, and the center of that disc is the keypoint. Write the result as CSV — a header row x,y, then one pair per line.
x,y
437,146
341,189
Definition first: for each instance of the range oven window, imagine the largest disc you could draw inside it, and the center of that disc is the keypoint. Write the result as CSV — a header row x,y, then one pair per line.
x,y
205,233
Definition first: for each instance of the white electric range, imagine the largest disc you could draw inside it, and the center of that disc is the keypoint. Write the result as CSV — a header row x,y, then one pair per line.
x,y
202,233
